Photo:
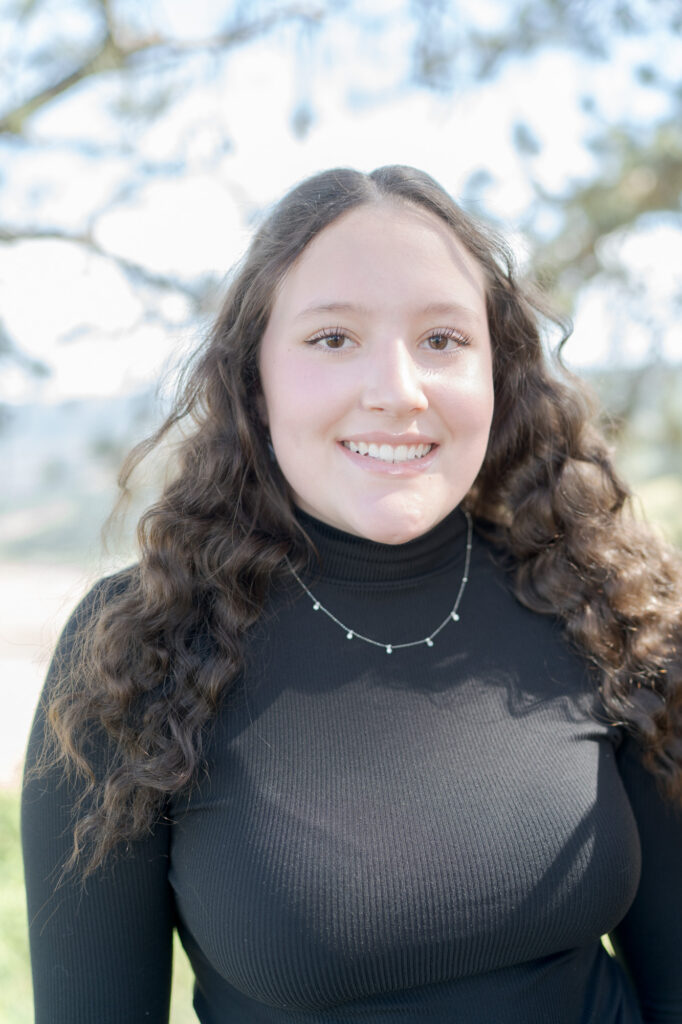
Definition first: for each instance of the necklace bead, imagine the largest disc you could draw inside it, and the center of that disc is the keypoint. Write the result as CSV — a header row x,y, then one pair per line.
x,y
352,634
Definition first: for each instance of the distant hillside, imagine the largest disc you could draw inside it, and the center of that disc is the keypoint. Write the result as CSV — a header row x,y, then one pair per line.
x,y
58,463
645,410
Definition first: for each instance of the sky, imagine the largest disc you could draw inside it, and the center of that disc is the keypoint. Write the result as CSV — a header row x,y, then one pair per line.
x,y
228,151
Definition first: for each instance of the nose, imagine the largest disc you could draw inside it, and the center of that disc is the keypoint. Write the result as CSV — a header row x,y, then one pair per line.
x,y
392,381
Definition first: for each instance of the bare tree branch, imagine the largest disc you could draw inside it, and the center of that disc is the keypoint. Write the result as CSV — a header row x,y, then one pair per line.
x,y
112,54
135,272
644,180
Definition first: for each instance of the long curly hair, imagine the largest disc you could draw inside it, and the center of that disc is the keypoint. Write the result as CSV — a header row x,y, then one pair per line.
x,y
155,651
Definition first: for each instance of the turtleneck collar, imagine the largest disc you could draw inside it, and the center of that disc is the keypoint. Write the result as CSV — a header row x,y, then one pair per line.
x,y
346,557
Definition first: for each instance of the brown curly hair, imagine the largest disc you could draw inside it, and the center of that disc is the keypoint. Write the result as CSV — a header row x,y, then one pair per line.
x,y
155,651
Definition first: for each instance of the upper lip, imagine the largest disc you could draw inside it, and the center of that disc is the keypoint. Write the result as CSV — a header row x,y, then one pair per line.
x,y
375,437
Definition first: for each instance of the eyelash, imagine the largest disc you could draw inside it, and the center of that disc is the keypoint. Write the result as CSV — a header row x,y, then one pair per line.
x,y
451,334
325,335
337,332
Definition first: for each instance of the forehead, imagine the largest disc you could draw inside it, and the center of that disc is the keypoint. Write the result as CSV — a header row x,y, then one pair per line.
x,y
391,248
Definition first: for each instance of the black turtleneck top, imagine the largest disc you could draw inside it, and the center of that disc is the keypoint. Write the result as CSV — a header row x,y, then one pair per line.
x,y
440,834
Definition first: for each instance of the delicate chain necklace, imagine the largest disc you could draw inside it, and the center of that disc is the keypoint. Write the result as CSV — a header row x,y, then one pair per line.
x,y
352,634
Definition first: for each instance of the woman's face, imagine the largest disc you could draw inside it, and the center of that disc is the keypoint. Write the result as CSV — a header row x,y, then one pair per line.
x,y
376,370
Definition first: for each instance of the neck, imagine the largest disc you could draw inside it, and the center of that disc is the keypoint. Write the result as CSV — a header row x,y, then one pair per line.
x,y
347,558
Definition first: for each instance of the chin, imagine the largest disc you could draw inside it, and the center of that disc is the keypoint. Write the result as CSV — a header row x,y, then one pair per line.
x,y
398,538
397,528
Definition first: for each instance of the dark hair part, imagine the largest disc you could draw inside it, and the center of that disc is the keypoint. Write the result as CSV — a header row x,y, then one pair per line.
x,y
159,649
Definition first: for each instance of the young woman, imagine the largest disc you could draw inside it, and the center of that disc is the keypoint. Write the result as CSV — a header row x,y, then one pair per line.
x,y
387,719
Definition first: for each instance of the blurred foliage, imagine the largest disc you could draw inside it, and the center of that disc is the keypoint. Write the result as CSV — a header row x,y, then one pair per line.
x,y
636,178
54,51
451,48
450,42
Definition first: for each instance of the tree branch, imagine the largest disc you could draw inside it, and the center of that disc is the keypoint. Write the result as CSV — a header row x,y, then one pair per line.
x,y
135,272
112,55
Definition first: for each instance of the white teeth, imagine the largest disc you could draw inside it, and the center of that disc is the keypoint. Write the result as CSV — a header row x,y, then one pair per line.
x,y
387,453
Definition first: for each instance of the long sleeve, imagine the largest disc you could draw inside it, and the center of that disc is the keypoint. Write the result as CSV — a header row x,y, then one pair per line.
x,y
649,939
100,950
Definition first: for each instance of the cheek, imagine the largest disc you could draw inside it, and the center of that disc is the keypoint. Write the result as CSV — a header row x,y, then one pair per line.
x,y
282,388
299,398
468,403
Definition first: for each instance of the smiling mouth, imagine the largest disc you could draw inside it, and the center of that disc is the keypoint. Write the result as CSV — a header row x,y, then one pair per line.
x,y
388,452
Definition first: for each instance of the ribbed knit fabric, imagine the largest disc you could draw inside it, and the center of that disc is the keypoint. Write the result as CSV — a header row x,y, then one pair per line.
x,y
435,835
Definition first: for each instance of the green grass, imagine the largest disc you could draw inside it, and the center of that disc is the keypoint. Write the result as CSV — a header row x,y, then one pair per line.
x,y
181,1002
15,981
16,1005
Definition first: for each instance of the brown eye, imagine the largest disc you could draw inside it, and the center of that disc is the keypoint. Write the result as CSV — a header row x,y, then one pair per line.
x,y
445,340
334,340
330,340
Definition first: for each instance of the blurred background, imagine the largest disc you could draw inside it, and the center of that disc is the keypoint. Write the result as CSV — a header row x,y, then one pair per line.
x,y
139,145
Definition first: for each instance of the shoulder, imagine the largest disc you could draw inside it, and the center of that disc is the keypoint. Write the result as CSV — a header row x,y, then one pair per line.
x,y
82,621
100,596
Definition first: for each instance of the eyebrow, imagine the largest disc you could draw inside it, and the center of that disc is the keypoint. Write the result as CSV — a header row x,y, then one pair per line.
x,y
431,309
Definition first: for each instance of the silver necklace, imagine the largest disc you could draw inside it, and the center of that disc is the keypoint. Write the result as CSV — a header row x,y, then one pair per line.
x,y
352,634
